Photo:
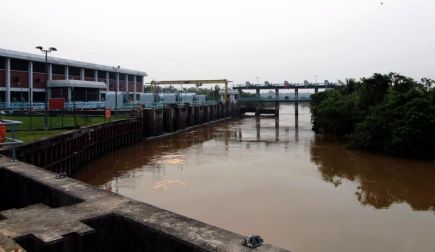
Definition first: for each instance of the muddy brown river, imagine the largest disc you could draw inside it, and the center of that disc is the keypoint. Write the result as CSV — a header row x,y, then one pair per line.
x,y
276,178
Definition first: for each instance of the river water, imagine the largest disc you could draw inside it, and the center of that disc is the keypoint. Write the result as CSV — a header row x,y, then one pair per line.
x,y
278,179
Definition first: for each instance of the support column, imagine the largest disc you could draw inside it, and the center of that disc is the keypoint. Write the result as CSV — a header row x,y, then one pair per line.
x,y
126,82
8,83
69,94
316,90
82,74
257,106
30,94
276,102
50,77
107,82
117,82
66,72
277,129
135,88
296,103
98,90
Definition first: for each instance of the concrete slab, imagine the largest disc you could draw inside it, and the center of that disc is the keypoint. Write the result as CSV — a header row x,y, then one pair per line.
x,y
162,229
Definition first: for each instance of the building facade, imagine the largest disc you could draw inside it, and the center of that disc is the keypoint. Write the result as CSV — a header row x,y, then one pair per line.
x,y
24,77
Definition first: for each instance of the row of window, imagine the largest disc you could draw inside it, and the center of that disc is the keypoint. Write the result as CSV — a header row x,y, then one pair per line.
x,y
39,67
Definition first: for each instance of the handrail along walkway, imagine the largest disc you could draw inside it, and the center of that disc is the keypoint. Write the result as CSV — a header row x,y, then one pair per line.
x,y
11,141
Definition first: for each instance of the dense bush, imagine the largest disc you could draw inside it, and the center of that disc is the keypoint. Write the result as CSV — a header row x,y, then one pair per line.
x,y
391,114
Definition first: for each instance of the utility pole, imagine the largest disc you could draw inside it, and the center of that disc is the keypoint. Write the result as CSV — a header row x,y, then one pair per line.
x,y
46,51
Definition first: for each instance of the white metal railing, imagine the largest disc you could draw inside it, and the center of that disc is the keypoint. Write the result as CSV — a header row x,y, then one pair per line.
x,y
11,141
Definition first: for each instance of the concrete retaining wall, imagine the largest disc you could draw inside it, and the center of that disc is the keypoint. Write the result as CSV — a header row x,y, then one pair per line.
x,y
66,152
68,215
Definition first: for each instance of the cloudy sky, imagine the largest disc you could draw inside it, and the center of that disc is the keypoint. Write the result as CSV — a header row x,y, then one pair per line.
x,y
240,40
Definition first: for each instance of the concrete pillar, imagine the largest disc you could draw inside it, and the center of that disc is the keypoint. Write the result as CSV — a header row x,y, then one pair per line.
x,y
82,73
96,79
69,94
297,95
30,71
296,129
276,102
8,83
258,128
50,77
257,106
107,81
181,118
66,72
277,129
152,122
257,109
135,88
277,109
196,115
316,90
296,102
168,119
190,119
117,82
126,82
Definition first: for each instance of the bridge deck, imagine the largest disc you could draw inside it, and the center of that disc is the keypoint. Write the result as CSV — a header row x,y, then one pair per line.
x,y
290,86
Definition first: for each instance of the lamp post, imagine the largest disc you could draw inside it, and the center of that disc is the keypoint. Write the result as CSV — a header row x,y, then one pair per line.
x,y
46,51
116,86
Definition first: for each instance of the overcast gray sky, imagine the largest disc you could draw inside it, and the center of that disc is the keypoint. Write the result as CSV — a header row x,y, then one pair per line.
x,y
275,40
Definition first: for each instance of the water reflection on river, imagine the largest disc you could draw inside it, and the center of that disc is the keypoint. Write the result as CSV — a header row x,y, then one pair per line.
x,y
279,180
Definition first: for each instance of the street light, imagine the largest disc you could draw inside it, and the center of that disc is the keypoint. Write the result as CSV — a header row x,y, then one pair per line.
x,y
46,51
116,86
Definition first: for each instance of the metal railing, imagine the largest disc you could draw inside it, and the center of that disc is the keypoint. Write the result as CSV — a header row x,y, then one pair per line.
x,y
96,105
274,99
11,141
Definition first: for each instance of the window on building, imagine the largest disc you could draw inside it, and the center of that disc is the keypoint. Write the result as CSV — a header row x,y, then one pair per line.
x,y
38,96
2,63
131,78
19,65
74,71
121,76
39,67
139,78
102,74
89,73
112,76
58,69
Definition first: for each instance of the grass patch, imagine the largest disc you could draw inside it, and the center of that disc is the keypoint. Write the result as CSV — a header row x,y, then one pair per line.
x,y
32,127
29,136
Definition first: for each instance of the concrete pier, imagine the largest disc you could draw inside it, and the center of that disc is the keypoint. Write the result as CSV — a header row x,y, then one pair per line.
x,y
152,122
168,119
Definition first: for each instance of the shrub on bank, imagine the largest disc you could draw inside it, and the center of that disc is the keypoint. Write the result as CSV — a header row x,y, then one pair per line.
x,y
391,113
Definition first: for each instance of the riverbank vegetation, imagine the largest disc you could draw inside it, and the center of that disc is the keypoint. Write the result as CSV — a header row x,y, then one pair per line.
x,y
387,113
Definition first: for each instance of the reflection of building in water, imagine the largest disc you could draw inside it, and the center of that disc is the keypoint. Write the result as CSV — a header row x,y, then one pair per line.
x,y
382,180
